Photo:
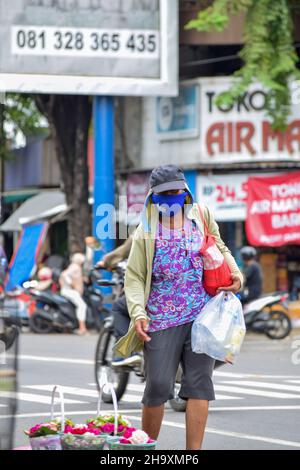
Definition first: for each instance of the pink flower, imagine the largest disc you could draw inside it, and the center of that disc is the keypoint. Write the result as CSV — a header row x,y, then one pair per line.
x,y
128,433
124,441
108,428
68,429
94,431
150,441
35,428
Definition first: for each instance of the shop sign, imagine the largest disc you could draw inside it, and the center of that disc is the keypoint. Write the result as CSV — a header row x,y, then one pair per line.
x,y
273,210
177,118
137,189
225,195
241,132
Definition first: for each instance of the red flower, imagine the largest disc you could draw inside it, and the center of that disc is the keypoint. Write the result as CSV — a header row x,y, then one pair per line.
x,y
124,441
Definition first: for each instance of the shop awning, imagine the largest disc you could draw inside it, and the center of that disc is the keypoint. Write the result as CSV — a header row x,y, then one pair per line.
x,y
26,254
44,205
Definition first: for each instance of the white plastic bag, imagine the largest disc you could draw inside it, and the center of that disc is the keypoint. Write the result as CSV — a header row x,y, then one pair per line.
x,y
219,329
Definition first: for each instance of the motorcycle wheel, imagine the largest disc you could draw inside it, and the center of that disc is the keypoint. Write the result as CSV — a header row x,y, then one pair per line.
x,y
38,324
282,324
9,336
103,358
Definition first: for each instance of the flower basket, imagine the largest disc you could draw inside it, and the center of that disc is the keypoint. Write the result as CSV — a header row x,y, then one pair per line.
x,y
51,442
82,442
122,437
48,436
93,439
119,446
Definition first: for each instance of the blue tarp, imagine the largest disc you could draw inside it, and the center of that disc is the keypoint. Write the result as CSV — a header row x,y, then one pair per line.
x,y
26,254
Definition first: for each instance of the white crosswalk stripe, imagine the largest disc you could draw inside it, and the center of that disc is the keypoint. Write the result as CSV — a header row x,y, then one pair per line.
x,y
251,383
254,392
84,392
236,387
134,396
34,398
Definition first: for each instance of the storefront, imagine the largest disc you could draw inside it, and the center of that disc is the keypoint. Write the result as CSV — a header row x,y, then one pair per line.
x,y
220,148
227,195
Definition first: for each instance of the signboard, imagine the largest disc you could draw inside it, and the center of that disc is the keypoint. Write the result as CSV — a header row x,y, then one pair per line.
x,y
237,134
273,214
124,47
137,188
225,195
177,118
242,132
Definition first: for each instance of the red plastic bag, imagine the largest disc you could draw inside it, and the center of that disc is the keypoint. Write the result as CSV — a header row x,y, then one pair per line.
x,y
216,272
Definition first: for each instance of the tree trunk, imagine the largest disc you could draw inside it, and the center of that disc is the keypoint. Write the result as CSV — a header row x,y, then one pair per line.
x,y
69,118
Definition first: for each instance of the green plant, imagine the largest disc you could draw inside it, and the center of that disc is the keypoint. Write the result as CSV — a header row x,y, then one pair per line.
x,y
268,53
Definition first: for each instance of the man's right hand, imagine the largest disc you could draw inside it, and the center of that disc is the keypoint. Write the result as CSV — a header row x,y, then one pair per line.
x,y
100,265
141,327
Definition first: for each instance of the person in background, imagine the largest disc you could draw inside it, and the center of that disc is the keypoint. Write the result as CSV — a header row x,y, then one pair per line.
x,y
45,279
119,308
253,275
111,259
91,245
72,285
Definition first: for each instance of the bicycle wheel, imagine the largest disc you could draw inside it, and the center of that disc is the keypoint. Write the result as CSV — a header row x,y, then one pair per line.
x,y
103,358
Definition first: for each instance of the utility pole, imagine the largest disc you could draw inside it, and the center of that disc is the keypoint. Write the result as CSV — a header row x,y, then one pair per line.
x,y
2,160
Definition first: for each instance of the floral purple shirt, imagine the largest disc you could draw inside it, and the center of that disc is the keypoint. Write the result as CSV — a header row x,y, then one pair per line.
x,y
177,293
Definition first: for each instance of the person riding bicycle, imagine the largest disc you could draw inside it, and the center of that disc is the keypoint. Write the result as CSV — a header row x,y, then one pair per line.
x,y
119,308
253,275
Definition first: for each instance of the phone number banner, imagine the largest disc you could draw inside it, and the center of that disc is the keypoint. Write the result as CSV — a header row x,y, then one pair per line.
x,y
127,47
273,210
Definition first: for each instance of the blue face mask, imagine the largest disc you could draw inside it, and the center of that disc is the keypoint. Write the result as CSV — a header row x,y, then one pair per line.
x,y
169,204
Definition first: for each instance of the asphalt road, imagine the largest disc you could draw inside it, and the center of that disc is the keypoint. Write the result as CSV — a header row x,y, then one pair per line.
x,y
257,405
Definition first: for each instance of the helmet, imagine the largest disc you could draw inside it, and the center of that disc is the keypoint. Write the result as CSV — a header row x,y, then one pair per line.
x,y
248,253
44,274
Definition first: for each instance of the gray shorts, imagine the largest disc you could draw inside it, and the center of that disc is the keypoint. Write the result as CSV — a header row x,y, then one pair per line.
x,y
163,354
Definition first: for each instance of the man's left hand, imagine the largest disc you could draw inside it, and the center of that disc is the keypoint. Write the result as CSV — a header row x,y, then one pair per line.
x,y
235,286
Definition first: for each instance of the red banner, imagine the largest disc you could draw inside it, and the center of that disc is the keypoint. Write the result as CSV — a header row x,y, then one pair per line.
x,y
273,210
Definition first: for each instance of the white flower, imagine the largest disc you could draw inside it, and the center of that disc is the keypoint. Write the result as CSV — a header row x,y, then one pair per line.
x,y
139,437
68,438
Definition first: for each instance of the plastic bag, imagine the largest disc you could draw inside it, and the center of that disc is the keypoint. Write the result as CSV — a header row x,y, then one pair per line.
x,y
219,329
216,272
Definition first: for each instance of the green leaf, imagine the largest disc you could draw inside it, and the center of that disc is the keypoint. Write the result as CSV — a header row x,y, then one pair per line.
x,y
268,53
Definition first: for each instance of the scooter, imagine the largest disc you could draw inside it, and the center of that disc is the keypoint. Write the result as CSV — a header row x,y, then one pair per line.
x,y
268,315
55,313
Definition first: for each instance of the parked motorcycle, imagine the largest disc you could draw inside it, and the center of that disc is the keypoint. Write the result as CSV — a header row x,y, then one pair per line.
x,y
55,313
268,315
